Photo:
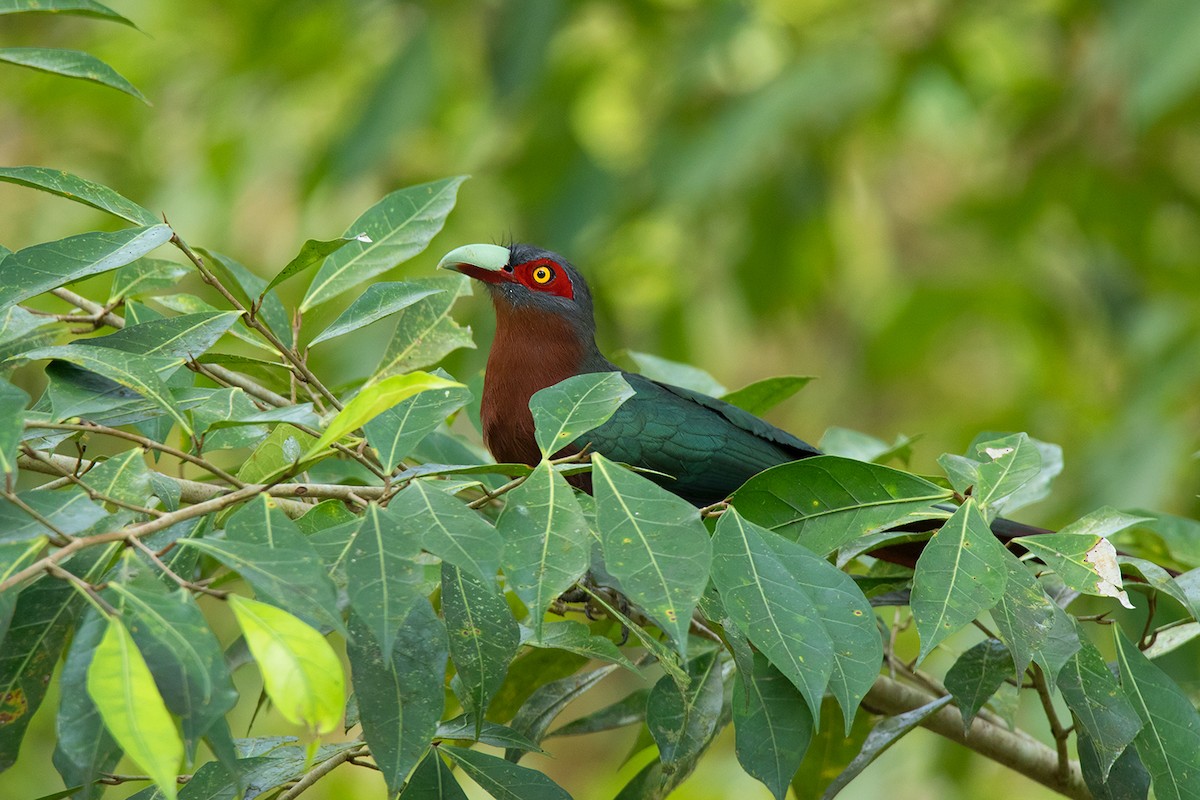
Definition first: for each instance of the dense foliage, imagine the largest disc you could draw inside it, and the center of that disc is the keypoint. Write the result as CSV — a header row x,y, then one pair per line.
x,y
188,498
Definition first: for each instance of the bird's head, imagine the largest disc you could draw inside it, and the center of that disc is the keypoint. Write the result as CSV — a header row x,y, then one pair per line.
x,y
522,277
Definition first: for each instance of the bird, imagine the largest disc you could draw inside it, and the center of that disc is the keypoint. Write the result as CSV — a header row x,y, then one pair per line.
x,y
696,446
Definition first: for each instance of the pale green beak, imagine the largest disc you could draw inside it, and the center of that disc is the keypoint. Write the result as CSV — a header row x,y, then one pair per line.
x,y
490,257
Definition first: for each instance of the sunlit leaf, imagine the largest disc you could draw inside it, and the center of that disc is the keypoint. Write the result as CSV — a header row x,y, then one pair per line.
x,y
376,398
121,686
301,673
83,746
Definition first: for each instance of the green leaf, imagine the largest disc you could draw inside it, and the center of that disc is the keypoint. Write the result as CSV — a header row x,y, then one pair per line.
x,y
547,546
398,430
575,637
21,331
425,331
567,410
883,736
69,510
675,373
503,780
462,727
1098,704
1061,644
1160,580
976,676
70,64
483,636
398,227
181,652
282,451
44,616
81,190
291,577
190,304
301,673
14,557
186,336
1037,486
772,724
42,267
765,603
530,670
1011,463
140,373
830,751
251,290
142,276
825,501
629,710
961,573
1024,617
761,396
400,691
432,780
1169,741
12,425
379,300
448,529
544,705
122,477
861,447
376,398
1084,562
1126,780
83,746
682,721
81,8
383,580
312,252
654,543
1105,522
121,686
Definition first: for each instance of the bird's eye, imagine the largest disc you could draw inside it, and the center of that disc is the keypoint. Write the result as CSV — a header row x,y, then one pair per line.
x,y
543,274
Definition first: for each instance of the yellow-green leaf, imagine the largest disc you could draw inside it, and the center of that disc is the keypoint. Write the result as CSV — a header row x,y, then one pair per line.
x,y
301,673
374,400
123,690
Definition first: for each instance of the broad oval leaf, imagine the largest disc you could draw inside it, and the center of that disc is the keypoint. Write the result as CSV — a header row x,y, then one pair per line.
x,y
1098,704
70,64
81,190
301,673
504,780
379,300
654,544
425,331
373,400
961,573
547,547
123,690
397,431
825,501
398,227
432,780
42,267
186,336
570,408
765,603
447,528
976,676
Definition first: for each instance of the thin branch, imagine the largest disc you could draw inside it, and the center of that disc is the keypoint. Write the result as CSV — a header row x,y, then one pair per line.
x,y
172,574
92,493
213,371
1014,749
249,318
92,427
320,771
1057,730
50,562
83,586
57,536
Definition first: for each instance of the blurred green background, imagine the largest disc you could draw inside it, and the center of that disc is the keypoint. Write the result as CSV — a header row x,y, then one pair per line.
x,y
960,216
